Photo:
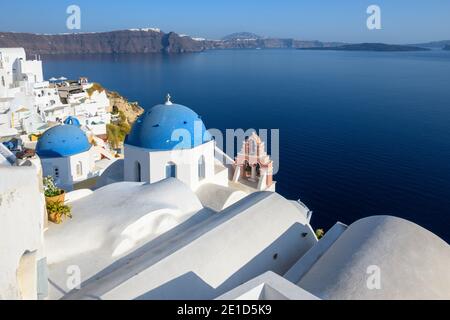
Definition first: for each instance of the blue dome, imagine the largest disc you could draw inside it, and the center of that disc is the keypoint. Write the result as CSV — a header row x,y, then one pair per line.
x,y
157,128
62,141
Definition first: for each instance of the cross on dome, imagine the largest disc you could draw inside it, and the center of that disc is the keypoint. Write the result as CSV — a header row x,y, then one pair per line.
x,y
168,102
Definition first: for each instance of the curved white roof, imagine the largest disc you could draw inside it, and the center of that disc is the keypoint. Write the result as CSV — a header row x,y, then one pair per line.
x,y
413,263
218,252
218,197
115,220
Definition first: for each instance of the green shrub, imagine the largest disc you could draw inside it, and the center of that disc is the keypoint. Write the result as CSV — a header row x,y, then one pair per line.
x,y
320,233
116,133
58,210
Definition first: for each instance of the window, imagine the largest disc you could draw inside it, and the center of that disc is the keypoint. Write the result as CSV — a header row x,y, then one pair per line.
x,y
79,168
171,170
252,146
137,172
3,81
201,168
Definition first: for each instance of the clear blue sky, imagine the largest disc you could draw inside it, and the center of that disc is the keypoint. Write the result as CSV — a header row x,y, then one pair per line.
x,y
403,21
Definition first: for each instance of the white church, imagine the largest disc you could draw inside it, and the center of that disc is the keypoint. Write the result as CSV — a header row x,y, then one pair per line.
x,y
170,140
172,220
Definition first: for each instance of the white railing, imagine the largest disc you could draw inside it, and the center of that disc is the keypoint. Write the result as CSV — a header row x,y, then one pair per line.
x,y
308,212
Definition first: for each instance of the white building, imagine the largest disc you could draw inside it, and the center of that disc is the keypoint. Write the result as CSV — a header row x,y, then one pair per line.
x,y
17,78
67,155
170,140
23,266
16,73
28,103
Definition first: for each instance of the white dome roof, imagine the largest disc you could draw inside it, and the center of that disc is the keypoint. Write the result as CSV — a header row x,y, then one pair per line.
x,y
413,263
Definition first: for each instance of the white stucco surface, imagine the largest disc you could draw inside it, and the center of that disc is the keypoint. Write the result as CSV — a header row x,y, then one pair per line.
x,y
263,231
268,286
76,195
153,164
67,168
113,173
218,197
302,266
413,263
21,226
113,221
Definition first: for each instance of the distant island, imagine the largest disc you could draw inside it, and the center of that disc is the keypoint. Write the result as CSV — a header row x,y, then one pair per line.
x,y
153,40
433,44
373,47
242,36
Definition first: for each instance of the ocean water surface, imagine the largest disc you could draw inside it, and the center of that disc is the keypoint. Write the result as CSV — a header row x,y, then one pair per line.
x,y
361,133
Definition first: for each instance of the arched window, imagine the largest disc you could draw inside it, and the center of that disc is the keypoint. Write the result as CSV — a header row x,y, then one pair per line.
x,y
137,173
201,168
252,147
171,170
79,168
258,170
247,168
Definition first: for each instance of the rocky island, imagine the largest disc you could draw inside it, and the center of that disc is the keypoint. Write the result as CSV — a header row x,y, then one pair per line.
x,y
372,47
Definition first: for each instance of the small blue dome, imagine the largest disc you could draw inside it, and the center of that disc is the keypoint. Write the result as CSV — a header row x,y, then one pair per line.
x,y
62,141
73,121
157,128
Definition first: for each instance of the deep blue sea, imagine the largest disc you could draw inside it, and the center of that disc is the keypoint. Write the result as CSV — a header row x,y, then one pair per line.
x,y
361,133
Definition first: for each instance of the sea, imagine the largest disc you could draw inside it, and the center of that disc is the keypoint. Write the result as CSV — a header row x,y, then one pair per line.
x,y
360,133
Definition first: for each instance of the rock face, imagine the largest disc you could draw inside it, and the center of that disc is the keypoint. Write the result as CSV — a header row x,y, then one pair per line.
x,y
125,41
140,41
131,110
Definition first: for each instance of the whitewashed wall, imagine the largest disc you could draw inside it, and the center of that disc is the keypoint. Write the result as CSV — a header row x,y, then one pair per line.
x,y
22,212
153,164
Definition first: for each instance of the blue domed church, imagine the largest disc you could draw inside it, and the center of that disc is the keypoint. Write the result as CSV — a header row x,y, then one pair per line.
x,y
65,154
170,140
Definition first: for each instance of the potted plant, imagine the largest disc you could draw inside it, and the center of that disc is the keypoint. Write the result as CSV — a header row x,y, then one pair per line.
x,y
57,210
320,233
52,192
